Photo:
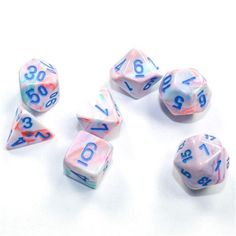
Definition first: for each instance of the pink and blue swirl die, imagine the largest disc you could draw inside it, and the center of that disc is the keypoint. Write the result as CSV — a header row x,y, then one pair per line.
x,y
184,92
101,116
135,73
88,159
201,161
39,85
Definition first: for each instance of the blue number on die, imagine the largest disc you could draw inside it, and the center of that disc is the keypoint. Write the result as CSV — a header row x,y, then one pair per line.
x,y
218,165
204,148
49,67
179,100
138,68
151,82
186,156
88,153
104,111
43,136
103,128
82,177
166,83
186,173
153,63
187,81
118,67
27,122
32,70
207,136
52,100
204,181
34,97
201,99
181,145
128,86
18,142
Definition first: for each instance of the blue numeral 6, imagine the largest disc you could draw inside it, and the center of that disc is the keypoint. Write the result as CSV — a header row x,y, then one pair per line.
x,y
88,153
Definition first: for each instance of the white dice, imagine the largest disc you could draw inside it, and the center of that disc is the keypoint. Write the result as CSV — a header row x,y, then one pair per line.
x,y
88,159
202,161
101,116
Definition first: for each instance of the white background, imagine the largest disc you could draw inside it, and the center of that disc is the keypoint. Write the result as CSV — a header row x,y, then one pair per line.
x,y
141,194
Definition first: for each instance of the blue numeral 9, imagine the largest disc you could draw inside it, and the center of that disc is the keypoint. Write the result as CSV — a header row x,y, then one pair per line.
x,y
88,153
52,100
138,68
204,181
186,173
202,99
179,100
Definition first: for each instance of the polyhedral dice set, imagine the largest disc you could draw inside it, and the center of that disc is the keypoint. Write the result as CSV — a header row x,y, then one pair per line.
x,y
201,160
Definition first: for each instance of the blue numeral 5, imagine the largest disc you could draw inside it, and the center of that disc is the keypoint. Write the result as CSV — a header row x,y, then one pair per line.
x,y
179,100
34,97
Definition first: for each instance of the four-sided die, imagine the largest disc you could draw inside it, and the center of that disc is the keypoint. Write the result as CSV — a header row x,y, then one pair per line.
x,y
26,130
88,159
101,116
202,161
39,85
135,74
184,92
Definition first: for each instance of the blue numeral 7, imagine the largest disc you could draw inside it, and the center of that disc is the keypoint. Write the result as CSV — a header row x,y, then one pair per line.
x,y
104,128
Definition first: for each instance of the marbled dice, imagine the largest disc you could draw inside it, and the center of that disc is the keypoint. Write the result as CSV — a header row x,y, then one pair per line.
x,y
135,73
202,161
39,85
88,159
101,116
184,92
26,130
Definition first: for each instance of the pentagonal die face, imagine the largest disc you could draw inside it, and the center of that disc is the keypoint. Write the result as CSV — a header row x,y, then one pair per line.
x,y
184,92
135,74
39,85
202,161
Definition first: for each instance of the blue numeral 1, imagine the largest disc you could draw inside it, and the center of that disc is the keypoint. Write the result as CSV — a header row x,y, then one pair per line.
x,y
104,128
218,165
187,81
103,111
128,86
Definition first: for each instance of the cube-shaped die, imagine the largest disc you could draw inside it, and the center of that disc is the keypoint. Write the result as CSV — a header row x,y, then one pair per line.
x,y
184,92
202,161
101,116
39,85
135,74
88,159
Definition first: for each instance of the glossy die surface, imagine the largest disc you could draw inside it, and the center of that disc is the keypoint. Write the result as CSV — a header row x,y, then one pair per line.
x,y
26,130
135,74
39,85
202,161
88,159
101,116
184,92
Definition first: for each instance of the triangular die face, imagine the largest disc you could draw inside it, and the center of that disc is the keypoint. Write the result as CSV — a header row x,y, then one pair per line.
x,y
135,65
102,108
26,130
